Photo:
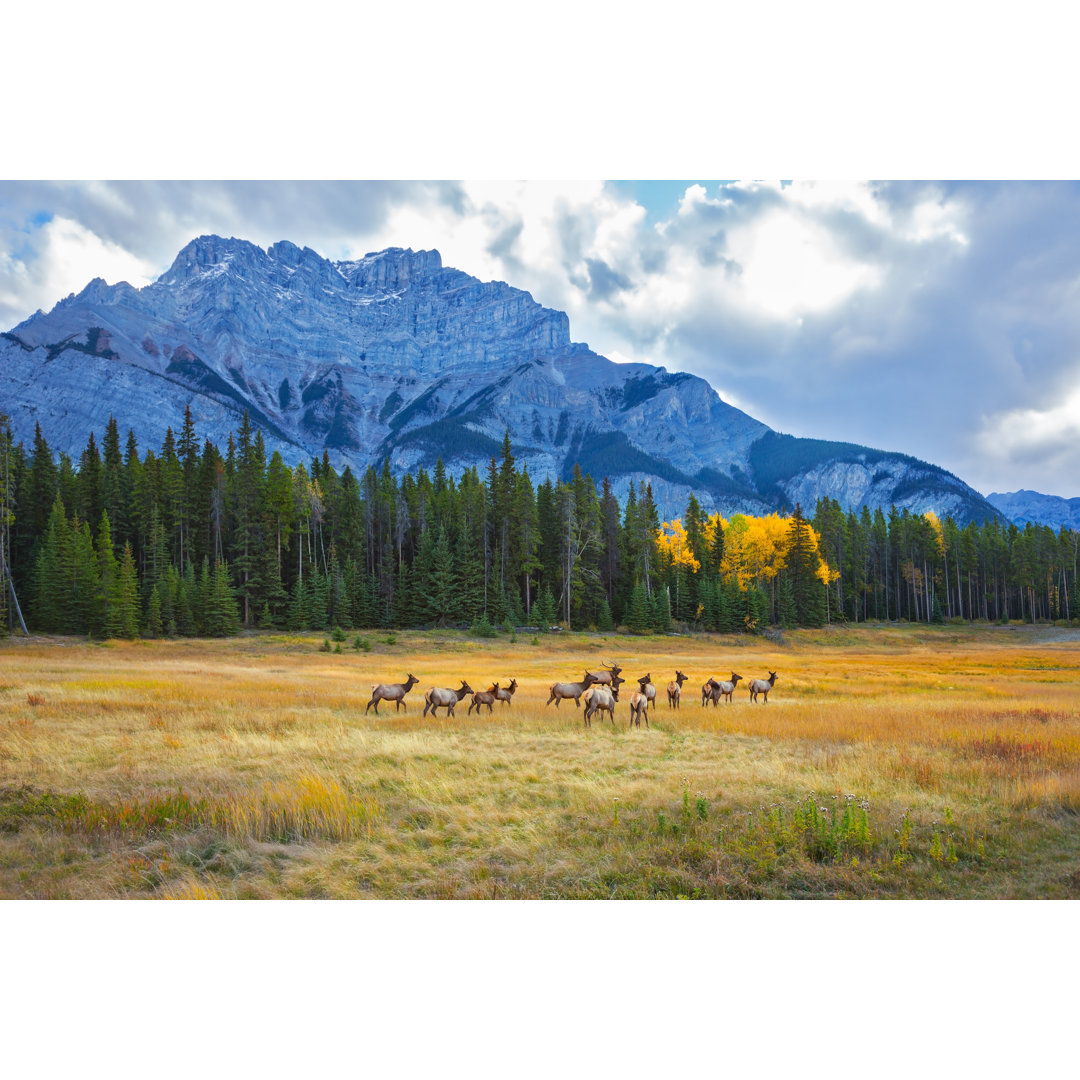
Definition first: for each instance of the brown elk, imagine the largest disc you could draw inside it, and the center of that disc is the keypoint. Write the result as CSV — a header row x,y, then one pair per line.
x,y
762,686
506,693
719,689
484,697
608,675
674,689
647,688
560,691
639,707
394,692
600,699
439,697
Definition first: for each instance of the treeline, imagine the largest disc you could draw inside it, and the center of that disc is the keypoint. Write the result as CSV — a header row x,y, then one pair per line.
x,y
194,539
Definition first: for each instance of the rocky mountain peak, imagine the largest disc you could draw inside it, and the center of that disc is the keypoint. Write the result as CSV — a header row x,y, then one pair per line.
x,y
391,270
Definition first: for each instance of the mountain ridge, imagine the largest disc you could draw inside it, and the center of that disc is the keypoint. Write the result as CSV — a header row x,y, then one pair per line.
x,y
396,356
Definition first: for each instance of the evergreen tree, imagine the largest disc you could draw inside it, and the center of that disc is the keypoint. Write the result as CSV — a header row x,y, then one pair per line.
x,y
124,603
154,625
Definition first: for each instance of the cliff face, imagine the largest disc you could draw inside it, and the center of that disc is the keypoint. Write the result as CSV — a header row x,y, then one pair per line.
x,y
395,355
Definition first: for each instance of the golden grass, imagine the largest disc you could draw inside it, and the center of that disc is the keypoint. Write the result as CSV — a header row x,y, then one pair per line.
x,y
248,767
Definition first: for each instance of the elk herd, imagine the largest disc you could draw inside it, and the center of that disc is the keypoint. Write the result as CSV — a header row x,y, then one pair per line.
x,y
599,690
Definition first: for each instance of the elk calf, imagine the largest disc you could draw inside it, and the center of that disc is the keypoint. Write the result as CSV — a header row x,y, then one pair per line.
x,y
504,695
639,707
484,697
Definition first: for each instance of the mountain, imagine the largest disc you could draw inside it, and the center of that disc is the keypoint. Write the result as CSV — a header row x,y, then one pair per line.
x,y
396,356
1023,506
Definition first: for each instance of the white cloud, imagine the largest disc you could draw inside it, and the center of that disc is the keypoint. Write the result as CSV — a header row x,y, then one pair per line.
x,y
792,267
65,257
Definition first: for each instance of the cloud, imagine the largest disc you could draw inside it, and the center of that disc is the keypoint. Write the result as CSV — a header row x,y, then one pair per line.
x,y
939,319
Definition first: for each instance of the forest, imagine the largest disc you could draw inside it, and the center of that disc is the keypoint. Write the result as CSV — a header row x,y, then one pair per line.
x,y
196,540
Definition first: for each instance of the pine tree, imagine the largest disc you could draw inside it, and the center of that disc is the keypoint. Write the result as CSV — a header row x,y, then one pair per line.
x,y
544,611
107,620
154,625
605,623
661,611
802,569
441,604
124,602
638,615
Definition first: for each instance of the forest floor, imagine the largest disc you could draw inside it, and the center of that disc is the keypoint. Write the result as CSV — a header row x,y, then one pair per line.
x,y
890,761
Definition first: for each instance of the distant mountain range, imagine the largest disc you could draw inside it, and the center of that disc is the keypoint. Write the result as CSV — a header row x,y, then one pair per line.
x,y
396,356
1023,506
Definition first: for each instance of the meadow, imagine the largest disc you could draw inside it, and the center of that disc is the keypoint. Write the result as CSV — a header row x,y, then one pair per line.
x,y
890,761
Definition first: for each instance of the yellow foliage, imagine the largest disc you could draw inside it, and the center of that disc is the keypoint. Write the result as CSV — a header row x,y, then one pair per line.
x,y
935,524
756,548
676,547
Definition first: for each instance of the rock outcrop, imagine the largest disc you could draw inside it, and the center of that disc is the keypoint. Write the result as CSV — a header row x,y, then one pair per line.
x,y
396,356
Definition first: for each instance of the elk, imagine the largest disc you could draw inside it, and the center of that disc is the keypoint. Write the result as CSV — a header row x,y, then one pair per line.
x,y
484,697
723,689
639,707
562,690
439,697
647,688
674,689
506,693
394,692
608,675
762,686
600,699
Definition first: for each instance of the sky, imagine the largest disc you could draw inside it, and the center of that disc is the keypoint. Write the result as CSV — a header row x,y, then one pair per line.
x,y
936,319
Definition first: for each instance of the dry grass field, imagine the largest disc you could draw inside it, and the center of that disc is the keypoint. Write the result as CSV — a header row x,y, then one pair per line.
x,y
889,762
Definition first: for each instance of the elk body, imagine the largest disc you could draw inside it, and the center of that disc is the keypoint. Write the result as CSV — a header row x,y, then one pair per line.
x,y
600,699
639,707
394,692
647,688
560,691
723,689
486,697
506,693
439,697
762,686
674,689
608,676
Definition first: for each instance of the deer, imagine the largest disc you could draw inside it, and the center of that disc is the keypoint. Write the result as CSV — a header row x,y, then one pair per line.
x,y
674,689
647,688
723,689
484,697
562,690
608,675
394,692
438,697
600,699
639,707
762,686
506,693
